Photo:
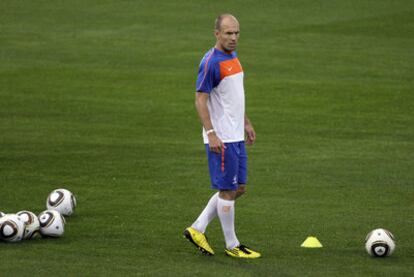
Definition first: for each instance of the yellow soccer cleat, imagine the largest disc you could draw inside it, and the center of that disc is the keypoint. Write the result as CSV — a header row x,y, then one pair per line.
x,y
199,240
242,251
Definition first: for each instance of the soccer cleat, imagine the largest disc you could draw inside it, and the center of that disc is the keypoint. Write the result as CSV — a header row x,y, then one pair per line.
x,y
199,240
242,251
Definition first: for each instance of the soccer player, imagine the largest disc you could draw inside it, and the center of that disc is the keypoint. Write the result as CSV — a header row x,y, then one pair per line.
x,y
220,106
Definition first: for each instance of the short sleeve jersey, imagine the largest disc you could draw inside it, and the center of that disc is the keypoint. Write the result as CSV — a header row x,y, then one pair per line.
x,y
221,76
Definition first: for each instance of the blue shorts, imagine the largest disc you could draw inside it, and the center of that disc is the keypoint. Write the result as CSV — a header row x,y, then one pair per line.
x,y
228,169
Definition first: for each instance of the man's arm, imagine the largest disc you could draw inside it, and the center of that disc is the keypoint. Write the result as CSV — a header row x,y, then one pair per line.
x,y
214,142
250,133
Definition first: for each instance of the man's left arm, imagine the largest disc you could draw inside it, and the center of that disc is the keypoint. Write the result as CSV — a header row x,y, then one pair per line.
x,y
250,133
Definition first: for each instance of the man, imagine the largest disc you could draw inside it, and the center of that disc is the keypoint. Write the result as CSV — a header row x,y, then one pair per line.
x,y
220,105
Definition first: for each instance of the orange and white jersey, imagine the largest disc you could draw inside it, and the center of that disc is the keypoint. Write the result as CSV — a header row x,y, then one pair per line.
x,y
221,76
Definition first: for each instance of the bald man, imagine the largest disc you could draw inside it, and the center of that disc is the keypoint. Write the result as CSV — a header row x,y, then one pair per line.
x,y
220,105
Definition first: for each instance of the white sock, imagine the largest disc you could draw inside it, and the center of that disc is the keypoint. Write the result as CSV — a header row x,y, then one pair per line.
x,y
225,210
207,215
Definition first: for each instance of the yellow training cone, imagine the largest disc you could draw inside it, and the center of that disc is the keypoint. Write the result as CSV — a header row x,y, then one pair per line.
x,y
311,242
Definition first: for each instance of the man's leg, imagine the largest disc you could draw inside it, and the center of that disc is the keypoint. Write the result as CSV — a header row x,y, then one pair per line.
x,y
225,211
207,215
195,233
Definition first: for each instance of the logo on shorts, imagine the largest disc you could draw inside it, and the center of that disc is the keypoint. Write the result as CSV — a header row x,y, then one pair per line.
x,y
235,180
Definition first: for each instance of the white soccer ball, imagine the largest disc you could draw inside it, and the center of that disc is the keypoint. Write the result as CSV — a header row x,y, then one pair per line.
x,y
32,224
12,228
61,200
380,243
52,223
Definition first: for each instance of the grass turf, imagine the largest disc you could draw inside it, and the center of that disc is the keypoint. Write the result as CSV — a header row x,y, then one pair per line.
x,y
97,97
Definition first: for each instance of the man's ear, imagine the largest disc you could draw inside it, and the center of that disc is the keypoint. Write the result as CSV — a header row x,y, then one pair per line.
x,y
216,33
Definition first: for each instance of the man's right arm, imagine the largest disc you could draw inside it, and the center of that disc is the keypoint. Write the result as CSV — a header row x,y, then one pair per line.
x,y
214,141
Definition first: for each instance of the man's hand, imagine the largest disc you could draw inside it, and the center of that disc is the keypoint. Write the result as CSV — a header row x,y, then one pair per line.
x,y
215,143
250,133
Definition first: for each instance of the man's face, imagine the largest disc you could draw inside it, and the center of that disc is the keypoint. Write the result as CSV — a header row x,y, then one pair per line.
x,y
228,35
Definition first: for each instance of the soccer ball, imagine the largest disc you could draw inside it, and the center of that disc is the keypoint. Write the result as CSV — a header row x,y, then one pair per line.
x,y
12,228
52,223
32,224
61,200
380,243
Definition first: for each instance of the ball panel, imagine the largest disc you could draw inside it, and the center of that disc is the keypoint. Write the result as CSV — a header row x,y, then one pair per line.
x,y
8,229
380,249
46,219
55,198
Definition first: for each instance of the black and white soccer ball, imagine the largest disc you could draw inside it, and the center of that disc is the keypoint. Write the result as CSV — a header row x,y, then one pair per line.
x,y
52,223
32,224
380,243
61,200
12,228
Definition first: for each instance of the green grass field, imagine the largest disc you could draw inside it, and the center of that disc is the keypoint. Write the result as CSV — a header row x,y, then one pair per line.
x,y
98,97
